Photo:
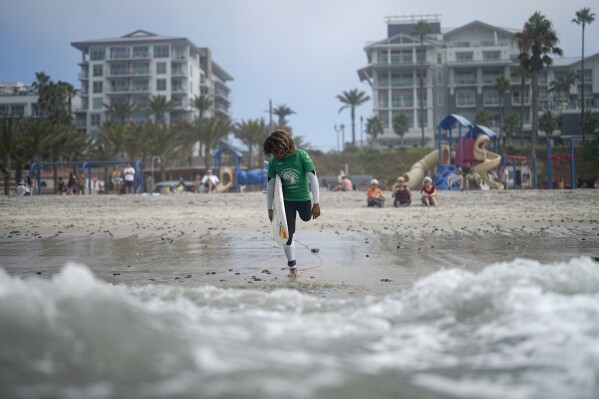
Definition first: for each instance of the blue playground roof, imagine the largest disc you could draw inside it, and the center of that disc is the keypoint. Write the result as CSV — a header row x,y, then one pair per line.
x,y
451,119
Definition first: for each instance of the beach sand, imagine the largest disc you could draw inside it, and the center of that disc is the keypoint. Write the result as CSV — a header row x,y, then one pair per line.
x,y
225,239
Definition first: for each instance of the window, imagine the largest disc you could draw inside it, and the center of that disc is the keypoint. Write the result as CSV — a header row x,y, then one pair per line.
x,y
119,52
439,77
402,99
464,56
440,98
383,57
490,97
465,77
383,81
118,69
98,70
465,98
140,68
98,105
384,99
161,68
98,87
403,79
140,85
490,76
96,119
384,117
141,52
401,56
18,110
491,55
177,69
97,53
439,59
517,97
161,51
161,84
4,109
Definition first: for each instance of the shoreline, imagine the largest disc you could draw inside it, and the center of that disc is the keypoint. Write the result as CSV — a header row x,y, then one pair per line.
x,y
225,239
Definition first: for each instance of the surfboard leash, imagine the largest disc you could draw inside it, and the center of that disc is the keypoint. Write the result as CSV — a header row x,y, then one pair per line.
x,y
314,252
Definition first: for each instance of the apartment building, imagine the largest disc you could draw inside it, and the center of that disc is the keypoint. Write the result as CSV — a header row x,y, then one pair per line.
x,y
18,99
21,100
141,64
459,71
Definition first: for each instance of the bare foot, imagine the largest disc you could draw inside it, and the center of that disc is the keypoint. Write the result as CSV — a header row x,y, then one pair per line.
x,y
293,273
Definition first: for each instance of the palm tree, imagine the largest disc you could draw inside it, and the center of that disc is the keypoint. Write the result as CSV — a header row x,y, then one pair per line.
x,y
282,111
422,29
523,73
511,126
482,117
590,121
536,41
69,91
203,103
401,126
562,84
583,17
166,143
374,127
547,123
251,132
158,106
10,143
115,135
352,99
502,85
211,130
122,110
41,86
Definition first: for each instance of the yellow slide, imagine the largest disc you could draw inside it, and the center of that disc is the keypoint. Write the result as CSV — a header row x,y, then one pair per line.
x,y
489,159
416,174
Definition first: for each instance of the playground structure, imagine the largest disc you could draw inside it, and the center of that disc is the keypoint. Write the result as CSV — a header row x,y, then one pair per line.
x,y
35,171
560,160
517,171
235,177
471,153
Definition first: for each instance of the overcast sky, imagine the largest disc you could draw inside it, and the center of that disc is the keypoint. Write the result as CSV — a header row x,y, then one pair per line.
x,y
300,53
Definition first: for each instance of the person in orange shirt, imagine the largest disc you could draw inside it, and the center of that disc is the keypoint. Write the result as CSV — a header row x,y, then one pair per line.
x,y
374,195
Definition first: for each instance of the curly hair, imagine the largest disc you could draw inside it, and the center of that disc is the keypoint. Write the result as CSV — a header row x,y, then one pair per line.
x,y
279,142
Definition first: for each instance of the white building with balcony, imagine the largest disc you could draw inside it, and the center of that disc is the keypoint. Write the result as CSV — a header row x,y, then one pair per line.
x,y
135,67
460,67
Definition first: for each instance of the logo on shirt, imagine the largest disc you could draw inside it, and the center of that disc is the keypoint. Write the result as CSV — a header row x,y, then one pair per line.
x,y
291,176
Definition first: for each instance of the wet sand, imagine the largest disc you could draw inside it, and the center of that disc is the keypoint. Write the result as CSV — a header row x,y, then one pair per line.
x,y
225,239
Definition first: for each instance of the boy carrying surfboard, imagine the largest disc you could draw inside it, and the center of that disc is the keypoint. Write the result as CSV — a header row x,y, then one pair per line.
x,y
298,177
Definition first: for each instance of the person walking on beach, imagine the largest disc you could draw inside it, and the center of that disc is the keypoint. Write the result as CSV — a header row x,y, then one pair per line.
x,y
129,173
298,178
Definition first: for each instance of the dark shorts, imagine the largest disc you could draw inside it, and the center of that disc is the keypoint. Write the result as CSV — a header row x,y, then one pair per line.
x,y
304,208
128,183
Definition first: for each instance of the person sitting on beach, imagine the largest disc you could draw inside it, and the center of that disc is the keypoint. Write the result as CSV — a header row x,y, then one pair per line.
x,y
455,181
473,180
209,181
429,193
401,194
374,195
22,189
345,185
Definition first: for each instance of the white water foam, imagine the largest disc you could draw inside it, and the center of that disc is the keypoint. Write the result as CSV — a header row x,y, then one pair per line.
x,y
519,330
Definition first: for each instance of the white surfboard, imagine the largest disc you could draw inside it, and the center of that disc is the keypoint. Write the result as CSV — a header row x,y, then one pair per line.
x,y
279,220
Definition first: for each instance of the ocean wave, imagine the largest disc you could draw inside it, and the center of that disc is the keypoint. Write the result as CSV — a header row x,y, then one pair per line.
x,y
520,329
